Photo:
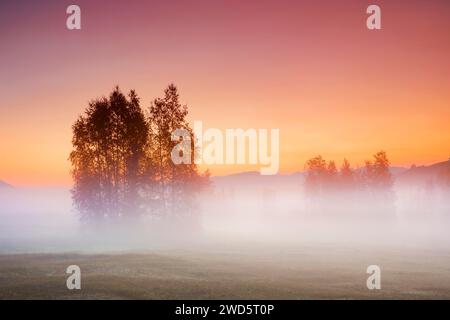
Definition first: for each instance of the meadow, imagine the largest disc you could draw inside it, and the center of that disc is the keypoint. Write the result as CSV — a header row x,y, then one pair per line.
x,y
309,271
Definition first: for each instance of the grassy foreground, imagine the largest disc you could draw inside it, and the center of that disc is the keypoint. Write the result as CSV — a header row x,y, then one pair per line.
x,y
317,272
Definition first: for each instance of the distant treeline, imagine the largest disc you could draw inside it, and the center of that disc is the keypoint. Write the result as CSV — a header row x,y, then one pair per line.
x,y
323,176
362,193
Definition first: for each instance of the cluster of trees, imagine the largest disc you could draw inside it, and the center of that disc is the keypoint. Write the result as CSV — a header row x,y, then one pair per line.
x,y
121,160
348,189
322,176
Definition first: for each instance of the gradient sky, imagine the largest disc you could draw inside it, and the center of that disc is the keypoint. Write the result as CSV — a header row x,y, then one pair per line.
x,y
310,68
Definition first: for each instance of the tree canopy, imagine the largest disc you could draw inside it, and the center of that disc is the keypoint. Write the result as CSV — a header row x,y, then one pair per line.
x,y
121,159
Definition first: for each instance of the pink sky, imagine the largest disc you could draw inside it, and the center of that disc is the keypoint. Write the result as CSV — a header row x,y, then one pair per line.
x,y
310,68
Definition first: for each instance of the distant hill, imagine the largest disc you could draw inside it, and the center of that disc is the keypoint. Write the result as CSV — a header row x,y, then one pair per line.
x,y
254,176
424,174
397,170
4,185
393,170
253,179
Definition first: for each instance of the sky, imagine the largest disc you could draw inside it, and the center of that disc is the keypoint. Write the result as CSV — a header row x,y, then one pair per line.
x,y
310,68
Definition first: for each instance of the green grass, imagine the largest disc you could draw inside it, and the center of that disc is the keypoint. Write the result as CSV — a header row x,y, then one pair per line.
x,y
316,272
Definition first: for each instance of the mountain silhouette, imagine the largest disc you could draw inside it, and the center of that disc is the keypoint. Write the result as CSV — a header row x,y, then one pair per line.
x,y
251,178
424,174
4,185
254,178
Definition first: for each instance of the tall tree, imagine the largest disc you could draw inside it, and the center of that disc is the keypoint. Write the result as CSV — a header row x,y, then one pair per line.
x,y
346,174
178,183
316,174
377,172
109,143
378,182
331,175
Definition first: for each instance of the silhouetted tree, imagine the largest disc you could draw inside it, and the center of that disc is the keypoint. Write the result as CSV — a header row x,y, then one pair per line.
x,y
316,174
320,175
331,179
377,172
109,143
177,184
347,177
121,159
378,182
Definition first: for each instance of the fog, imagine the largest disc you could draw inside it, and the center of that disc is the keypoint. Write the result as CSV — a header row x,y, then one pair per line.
x,y
235,213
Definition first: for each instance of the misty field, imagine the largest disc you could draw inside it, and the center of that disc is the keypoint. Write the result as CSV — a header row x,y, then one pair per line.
x,y
253,272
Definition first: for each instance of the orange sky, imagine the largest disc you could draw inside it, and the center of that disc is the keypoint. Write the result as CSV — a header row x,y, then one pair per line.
x,y
309,68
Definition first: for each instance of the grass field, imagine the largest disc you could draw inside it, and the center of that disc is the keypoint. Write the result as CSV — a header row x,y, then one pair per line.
x,y
256,272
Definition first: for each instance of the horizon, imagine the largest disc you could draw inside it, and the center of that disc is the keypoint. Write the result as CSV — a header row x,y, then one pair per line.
x,y
256,172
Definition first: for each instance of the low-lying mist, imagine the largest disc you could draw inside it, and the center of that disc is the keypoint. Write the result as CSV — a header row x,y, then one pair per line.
x,y
43,220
